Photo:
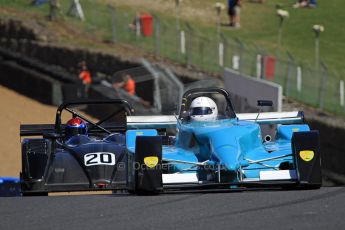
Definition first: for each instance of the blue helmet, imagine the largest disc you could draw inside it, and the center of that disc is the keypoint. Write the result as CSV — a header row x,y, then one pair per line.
x,y
75,126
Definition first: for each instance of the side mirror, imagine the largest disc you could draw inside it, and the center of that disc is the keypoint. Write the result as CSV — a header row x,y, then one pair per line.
x,y
265,103
262,103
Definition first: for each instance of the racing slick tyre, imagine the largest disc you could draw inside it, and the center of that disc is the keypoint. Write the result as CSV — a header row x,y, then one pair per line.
x,y
148,169
306,150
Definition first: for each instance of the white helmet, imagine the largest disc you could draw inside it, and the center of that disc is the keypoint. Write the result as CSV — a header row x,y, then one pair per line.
x,y
203,109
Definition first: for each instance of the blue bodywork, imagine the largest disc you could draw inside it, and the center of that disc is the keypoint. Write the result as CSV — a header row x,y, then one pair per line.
x,y
9,186
232,144
229,150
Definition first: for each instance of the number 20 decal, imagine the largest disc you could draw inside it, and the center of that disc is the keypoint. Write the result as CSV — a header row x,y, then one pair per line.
x,y
100,158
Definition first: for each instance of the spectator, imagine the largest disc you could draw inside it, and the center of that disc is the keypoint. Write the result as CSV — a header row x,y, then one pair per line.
x,y
312,3
305,3
300,3
39,2
136,25
54,9
85,75
127,84
234,8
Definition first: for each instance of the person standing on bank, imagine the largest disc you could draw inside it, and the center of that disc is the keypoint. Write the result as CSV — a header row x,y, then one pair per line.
x,y
54,9
85,76
234,10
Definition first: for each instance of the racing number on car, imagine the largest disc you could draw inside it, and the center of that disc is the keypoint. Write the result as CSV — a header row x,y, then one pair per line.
x,y
100,158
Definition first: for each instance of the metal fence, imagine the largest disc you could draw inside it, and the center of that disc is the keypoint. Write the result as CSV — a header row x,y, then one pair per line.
x,y
189,45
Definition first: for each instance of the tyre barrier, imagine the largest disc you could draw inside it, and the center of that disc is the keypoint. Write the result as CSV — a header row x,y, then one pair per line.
x,y
30,83
67,57
54,72
28,29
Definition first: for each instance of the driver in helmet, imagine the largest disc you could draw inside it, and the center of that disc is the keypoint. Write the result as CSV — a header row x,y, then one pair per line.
x,y
75,126
203,109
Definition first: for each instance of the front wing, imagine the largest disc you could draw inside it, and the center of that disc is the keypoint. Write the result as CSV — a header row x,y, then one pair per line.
x,y
306,171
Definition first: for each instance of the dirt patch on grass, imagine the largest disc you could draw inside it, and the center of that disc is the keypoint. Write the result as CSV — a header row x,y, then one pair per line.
x,y
17,109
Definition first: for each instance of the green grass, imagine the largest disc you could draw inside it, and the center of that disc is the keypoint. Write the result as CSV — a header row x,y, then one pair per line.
x,y
259,33
260,26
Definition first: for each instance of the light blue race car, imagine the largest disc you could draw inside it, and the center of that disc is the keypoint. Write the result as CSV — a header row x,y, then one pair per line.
x,y
215,148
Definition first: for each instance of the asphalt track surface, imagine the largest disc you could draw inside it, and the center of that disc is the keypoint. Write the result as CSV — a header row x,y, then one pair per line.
x,y
305,209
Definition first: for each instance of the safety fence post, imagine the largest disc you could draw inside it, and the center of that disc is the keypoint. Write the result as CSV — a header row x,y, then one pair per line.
x,y
238,61
190,36
182,42
222,50
299,79
341,93
259,67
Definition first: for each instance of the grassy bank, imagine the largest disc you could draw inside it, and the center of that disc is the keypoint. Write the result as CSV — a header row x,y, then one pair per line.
x,y
258,32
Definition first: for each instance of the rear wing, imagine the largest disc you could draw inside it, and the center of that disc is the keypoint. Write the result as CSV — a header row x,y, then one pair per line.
x,y
284,118
41,129
142,122
114,107
151,122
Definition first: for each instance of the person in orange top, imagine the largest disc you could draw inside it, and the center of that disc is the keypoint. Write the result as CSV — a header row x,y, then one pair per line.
x,y
127,84
85,75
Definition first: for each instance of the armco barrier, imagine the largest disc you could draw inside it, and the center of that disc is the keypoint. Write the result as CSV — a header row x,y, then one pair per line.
x,y
249,90
332,146
30,83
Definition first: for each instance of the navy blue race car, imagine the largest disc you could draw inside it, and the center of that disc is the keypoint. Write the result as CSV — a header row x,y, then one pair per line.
x,y
80,155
